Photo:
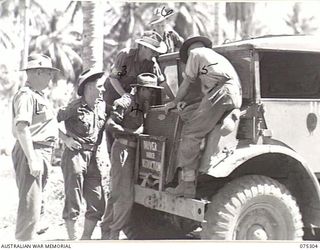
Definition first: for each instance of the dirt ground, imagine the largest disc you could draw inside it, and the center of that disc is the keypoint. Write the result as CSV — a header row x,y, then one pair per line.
x,y
54,194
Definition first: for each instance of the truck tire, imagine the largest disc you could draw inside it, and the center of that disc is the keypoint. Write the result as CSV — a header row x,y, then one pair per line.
x,y
253,207
148,224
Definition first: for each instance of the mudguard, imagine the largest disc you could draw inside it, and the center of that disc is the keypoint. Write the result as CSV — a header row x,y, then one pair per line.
x,y
307,191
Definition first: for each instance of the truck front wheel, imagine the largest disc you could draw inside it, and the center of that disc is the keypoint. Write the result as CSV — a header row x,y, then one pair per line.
x,y
253,207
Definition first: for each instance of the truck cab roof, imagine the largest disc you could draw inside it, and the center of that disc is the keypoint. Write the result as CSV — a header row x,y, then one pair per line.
x,y
303,43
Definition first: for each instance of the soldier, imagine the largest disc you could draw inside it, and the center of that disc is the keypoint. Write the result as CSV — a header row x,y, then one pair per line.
x,y
128,65
36,130
84,121
221,90
160,24
126,122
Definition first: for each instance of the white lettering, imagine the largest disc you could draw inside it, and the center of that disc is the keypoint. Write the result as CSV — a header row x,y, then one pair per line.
x,y
37,245
150,155
150,145
55,245
153,165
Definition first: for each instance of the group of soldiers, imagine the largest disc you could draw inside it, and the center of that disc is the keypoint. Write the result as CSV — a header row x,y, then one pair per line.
x,y
115,103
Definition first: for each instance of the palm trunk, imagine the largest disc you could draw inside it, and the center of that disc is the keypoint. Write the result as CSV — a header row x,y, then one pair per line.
x,y
216,23
26,36
92,53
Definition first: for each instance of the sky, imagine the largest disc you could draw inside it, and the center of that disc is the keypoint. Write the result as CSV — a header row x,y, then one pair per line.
x,y
274,12
269,13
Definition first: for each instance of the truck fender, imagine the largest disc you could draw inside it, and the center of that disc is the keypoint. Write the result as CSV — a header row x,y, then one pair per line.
x,y
234,158
298,178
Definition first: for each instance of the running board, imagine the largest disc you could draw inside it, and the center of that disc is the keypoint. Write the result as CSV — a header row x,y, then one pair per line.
x,y
189,208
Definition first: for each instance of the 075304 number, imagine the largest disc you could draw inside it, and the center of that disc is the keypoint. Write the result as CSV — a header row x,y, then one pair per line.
x,y
308,245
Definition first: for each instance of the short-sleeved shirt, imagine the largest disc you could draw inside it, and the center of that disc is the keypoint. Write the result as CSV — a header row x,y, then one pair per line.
x,y
172,40
32,107
127,113
126,68
213,70
81,122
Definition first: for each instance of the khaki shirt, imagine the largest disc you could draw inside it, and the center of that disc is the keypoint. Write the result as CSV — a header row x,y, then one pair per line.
x,y
128,113
172,40
81,122
213,70
125,69
32,107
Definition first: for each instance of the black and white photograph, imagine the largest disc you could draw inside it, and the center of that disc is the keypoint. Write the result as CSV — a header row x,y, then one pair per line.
x,y
159,121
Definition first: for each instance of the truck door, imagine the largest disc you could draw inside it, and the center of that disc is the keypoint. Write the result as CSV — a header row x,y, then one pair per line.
x,y
290,92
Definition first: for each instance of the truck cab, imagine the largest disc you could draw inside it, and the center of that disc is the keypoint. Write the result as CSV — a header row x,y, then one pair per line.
x,y
256,182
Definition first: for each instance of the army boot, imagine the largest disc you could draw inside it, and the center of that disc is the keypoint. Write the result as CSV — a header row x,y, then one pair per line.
x,y
186,187
105,234
88,228
71,229
114,235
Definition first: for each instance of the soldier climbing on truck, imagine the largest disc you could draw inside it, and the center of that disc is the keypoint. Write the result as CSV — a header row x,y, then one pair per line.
x,y
221,90
259,180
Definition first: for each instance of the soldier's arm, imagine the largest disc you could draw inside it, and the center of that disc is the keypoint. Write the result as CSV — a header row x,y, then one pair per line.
x,y
182,92
24,137
117,86
23,114
118,70
66,113
177,39
119,129
67,140
120,109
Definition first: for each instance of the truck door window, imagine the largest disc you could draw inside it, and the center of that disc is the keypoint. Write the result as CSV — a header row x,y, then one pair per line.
x,y
171,86
171,74
290,75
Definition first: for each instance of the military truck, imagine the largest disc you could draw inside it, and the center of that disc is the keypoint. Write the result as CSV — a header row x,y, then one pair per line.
x,y
256,182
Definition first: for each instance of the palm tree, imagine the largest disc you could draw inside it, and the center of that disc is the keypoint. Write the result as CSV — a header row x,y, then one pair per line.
x,y
62,46
92,53
192,19
299,24
240,12
9,18
61,41
123,23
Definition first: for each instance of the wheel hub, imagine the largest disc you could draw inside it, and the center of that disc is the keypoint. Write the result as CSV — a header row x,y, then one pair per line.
x,y
257,232
259,222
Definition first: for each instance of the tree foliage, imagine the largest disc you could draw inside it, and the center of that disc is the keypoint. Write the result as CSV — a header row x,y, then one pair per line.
x,y
240,12
299,24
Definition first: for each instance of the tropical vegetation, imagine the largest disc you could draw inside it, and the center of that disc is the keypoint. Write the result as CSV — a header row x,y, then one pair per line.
x,y
82,34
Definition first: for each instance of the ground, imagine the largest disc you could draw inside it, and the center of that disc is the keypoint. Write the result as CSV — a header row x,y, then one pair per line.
x,y
54,204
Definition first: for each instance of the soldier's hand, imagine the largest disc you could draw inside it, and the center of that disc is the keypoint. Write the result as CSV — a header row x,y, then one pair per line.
x,y
181,105
123,101
168,106
36,167
72,144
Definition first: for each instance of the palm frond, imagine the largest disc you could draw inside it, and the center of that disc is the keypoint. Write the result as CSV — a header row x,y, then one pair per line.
x,y
66,65
73,56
